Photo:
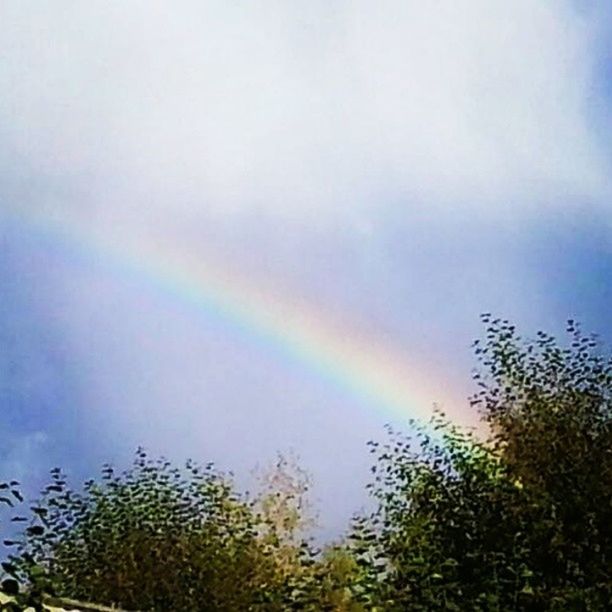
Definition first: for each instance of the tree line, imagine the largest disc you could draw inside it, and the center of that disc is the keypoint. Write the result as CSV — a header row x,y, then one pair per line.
x,y
519,519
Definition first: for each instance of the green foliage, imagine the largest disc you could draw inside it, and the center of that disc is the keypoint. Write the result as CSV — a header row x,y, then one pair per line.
x,y
152,538
520,522
519,518
549,409
13,597
441,537
282,508
160,538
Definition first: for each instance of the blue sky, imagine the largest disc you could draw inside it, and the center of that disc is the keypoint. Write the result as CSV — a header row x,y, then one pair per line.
x,y
402,166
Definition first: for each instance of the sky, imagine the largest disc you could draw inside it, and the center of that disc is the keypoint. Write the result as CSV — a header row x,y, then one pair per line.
x,y
229,229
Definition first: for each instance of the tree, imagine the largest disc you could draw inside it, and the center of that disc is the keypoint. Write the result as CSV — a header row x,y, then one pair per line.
x,y
549,409
154,538
282,503
520,521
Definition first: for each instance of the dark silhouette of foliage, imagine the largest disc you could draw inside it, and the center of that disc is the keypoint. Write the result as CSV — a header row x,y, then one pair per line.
x,y
13,597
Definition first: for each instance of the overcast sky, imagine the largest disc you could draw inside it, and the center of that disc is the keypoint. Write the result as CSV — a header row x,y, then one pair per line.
x,y
400,167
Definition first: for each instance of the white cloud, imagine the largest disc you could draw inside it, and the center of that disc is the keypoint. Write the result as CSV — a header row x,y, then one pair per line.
x,y
307,110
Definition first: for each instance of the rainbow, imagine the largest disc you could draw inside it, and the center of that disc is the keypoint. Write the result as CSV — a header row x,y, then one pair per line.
x,y
359,364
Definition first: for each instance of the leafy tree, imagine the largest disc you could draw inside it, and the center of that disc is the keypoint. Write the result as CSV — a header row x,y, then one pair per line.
x,y
549,409
312,580
441,537
153,538
520,521
283,509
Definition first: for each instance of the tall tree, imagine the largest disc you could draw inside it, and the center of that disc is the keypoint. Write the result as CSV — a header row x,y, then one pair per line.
x,y
521,521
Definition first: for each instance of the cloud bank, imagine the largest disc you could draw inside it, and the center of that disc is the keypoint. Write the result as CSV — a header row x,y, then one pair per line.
x,y
309,112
